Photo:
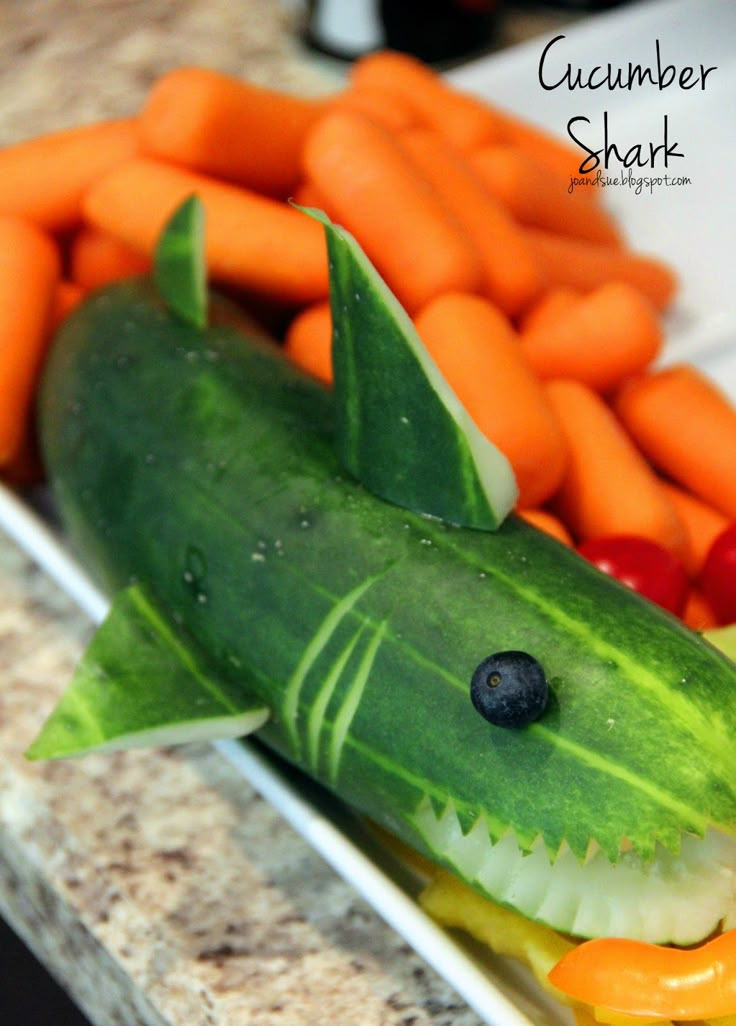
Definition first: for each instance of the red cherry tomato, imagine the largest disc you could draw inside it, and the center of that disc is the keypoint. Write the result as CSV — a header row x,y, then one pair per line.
x,y
642,565
718,576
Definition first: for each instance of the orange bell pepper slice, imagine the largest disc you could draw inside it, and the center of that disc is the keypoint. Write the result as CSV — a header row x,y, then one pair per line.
x,y
650,980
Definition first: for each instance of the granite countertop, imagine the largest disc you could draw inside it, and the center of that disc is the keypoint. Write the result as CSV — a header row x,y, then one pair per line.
x,y
157,886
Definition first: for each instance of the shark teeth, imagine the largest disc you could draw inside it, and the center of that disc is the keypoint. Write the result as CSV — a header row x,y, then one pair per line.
x,y
676,898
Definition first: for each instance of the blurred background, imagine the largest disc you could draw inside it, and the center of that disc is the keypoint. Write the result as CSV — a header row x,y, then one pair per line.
x,y
437,31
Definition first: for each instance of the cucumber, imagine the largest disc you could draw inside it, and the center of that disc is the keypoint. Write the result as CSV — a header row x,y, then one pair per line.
x,y
179,267
201,465
399,427
111,704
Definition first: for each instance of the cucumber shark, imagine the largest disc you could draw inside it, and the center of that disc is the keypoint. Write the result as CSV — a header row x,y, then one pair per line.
x,y
262,585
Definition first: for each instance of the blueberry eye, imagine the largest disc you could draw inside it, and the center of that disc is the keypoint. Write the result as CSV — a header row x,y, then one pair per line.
x,y
509,689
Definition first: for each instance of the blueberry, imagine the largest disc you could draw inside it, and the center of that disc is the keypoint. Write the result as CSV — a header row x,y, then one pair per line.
x,y
509,689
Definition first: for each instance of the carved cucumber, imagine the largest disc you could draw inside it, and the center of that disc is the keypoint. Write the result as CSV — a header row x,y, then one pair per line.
x,y
200,464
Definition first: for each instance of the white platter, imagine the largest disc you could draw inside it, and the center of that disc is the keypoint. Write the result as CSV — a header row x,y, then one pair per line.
x,y
690,226
693,227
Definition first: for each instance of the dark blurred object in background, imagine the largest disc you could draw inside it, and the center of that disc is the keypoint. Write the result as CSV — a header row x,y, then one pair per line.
x,y
589,6
343,28
441,32
28,994
437,31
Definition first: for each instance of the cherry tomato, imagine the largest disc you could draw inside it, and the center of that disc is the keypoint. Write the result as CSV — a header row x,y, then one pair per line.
x,y
718,576
642,565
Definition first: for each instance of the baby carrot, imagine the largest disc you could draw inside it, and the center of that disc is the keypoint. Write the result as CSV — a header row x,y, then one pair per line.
x,y
475,348
463,119
254,242
604,337
306,194
702,522
228,128
96,259
511,275
543,146
698,613
686,426
547,309
547,522
577,264
68,296
308,340
608,489
29,276
389,109
374,190
44,179
539,197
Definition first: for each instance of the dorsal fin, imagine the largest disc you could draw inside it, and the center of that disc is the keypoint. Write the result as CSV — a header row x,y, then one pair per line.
x,y
400,429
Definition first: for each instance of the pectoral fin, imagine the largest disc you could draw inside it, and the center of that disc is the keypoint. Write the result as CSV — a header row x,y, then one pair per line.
x,y
143,683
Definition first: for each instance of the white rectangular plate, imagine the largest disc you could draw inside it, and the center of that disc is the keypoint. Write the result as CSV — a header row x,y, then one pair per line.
x,y
693,228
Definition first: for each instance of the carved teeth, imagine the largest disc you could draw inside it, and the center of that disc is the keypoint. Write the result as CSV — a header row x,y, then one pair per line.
x,y
675,898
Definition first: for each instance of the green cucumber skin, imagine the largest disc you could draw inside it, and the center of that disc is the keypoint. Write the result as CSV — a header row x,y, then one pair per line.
x,y
201,464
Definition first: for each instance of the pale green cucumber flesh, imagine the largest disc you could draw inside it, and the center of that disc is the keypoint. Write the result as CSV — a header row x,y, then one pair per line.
x,y
202,465
179,264
142,682
675,898
399,427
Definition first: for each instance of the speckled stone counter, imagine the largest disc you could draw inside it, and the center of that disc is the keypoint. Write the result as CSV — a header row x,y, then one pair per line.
x,y
157,886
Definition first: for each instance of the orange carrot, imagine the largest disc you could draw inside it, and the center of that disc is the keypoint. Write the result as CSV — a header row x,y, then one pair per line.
x,y
306,194
609,489
68,296
547,522
539,197
607,335
466,120
698,613
96,259
475,348
511,275
463,119
547,310
374,190
388,108
574,263
559,156
702,522
29,276
686,426
44,179
228,128
252,241
308,340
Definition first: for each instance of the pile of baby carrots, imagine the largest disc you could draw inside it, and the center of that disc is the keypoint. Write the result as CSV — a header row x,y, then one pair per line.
x,y
545,321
